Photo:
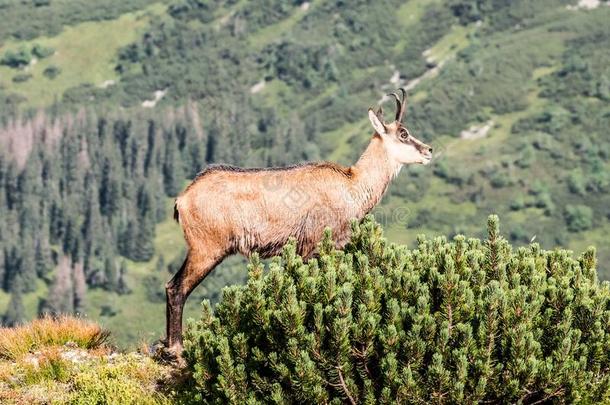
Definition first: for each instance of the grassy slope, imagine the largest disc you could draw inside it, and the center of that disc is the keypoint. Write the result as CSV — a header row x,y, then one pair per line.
x,y
85,53
68,361
276,31
477,154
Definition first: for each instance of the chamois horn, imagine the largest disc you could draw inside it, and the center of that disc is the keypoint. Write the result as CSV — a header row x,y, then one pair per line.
x,y
379,113
401,103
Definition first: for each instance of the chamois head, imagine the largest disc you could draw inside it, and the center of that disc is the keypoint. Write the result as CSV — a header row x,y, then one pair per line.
x,y
401,146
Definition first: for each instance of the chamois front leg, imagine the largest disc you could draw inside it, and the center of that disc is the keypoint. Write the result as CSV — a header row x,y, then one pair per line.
x,y
173,309
195,268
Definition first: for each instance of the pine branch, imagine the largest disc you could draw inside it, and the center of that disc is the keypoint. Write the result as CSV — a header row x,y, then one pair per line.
x,y
450,319
344,387
554,394
361,357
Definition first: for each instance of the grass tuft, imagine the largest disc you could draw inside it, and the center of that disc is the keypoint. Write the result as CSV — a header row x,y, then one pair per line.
x,y
131,379
49,365
17,342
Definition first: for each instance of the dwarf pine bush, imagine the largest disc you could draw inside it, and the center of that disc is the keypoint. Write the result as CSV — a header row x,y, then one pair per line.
x,y
462,321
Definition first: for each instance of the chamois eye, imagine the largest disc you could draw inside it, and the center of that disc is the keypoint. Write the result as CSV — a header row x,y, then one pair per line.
x,y
403,134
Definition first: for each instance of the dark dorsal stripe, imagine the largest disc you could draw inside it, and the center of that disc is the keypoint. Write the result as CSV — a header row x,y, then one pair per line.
x,y
212,168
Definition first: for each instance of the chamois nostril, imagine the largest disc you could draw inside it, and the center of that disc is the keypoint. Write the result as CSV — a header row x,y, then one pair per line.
x,y
430,149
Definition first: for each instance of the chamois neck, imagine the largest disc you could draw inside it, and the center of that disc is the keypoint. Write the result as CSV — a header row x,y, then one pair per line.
x,y
374,171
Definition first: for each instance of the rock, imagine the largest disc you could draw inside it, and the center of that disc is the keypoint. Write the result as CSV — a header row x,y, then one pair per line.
x,y
257,87
158,96
585,5
477,131
107,83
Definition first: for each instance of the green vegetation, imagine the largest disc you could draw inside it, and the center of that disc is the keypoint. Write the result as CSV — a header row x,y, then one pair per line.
x,y
465,321
42,52
16,59
85,54
22,77
461,321
26,20
579,217
276,83
51,72
66,361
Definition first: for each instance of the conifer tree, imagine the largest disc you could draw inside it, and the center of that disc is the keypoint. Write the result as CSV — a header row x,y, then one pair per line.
x,y
15,311
196,157
143,248
122,287
42,257
60,299
461,321
27,265
109,189
80,288
12,265
92,229
111,274
151,142
172,167
2,268
11,178
127,239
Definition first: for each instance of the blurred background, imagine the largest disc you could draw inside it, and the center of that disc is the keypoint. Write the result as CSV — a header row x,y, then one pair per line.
x,y
109,108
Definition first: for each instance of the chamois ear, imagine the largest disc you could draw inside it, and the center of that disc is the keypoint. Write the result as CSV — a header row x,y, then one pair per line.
x,y
377,124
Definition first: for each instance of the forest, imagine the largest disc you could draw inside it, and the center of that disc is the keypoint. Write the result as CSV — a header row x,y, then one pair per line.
x,y
514,96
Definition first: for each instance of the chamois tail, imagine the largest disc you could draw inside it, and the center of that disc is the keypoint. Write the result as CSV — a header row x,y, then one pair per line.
x,y
176,213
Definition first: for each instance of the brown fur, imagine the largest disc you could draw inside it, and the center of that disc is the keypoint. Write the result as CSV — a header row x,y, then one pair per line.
x,y
228,210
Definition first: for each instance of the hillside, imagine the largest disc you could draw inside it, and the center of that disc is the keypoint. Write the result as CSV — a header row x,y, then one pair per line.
x,y
514,96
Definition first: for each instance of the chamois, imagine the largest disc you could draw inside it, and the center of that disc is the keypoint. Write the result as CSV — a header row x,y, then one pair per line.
x,y
228,210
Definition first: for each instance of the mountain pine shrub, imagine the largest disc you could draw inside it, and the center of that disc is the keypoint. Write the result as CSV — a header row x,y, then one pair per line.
x,y
461,321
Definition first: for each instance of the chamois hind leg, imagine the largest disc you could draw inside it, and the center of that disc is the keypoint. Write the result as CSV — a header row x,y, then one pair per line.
x,y
196,267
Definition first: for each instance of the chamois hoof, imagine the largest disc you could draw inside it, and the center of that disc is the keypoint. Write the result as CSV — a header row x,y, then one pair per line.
x,y
161,353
